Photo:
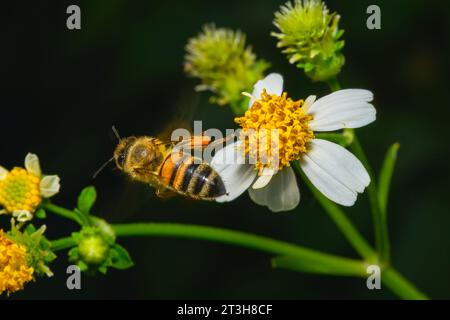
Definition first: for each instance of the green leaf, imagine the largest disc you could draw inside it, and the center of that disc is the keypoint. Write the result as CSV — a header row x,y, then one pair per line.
x,y
342,266
386,176
40,214
86,199
121,258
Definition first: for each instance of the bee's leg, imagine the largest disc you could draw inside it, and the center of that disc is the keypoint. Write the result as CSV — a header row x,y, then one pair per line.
x,y
222,141
194,143
205,141
165,193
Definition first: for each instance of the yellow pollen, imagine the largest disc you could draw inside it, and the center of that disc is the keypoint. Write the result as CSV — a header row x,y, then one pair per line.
x,y
275,131
20,191
14,269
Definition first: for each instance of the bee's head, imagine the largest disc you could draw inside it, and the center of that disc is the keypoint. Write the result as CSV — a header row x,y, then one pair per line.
x,y
122,150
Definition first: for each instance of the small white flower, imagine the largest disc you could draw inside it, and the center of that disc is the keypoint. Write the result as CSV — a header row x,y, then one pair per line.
x,y
22,190
333,170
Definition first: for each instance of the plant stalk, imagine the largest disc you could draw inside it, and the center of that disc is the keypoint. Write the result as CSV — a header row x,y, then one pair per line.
x,y
391,278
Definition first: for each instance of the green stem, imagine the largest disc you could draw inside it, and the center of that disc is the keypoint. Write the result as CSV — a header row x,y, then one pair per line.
x,y
401,286
385,177
63,212
343,223
242,239
334,84
63,243
380,223
396,282
312,260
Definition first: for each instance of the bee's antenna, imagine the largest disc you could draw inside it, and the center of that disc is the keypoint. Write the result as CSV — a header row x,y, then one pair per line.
x,y
102,167
116,133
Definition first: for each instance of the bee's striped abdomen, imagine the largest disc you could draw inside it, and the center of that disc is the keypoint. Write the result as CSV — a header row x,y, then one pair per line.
x,y
192,177
201,181
169,168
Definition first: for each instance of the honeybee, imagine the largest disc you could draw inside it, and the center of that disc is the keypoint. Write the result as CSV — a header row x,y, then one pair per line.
x,y
167,168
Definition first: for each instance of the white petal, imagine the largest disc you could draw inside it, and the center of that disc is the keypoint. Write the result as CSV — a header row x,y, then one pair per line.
x,y
281,194
273,83
3,173
335,171
308,103
349,108
237,176
264,178
32,164
50,186
22,215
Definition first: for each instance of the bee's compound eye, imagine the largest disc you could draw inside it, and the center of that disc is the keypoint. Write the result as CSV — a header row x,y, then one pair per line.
x,y
122,159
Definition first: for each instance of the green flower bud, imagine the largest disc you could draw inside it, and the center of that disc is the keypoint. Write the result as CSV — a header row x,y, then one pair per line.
x,y
93,249
225,65
310,37
97,250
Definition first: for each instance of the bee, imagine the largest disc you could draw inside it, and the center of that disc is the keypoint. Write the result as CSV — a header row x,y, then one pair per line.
x,y
167,168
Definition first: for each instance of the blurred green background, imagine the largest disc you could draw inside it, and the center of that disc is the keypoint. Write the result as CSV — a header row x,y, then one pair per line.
x,y
64,89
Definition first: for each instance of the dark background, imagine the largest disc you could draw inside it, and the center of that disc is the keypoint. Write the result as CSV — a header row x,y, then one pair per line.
x,y
64,89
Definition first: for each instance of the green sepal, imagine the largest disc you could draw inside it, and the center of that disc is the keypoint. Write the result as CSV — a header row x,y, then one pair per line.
x,y
83,266
120,258
103,269
73,253
40,214
29,229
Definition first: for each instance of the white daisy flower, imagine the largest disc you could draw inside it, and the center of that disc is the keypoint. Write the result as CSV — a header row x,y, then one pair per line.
x,y
22,189
333,170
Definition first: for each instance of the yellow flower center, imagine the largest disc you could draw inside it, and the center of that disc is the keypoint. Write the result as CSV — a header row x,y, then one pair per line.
x,y
275,131
20,191
14,269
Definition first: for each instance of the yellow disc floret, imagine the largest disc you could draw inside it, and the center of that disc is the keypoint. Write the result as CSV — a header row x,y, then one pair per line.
x,y
20,191
14,269
275,131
